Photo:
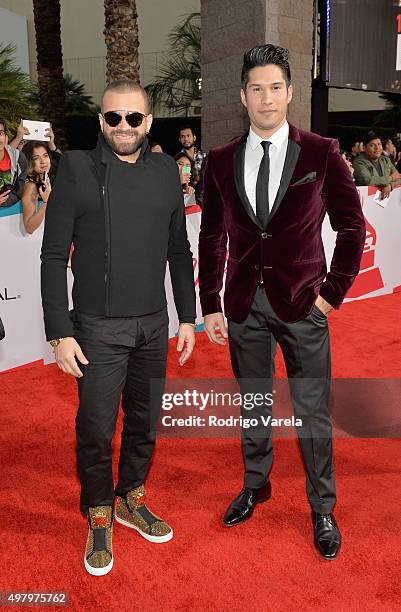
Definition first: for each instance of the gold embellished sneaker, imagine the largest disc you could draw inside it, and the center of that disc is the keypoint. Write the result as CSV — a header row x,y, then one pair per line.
x,y
132,512
98,559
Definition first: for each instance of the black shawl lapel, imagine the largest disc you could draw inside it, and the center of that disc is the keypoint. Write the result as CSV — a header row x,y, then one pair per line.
x,y
291,158
239,163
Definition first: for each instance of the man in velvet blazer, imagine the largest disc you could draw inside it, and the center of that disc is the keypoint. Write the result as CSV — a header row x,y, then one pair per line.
x,y
267,192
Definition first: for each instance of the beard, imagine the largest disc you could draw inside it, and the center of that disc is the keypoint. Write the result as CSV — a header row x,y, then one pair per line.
x,y
124,148
187,146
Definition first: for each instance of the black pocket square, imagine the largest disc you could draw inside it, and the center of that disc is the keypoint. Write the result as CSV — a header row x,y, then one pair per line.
x,y
308,178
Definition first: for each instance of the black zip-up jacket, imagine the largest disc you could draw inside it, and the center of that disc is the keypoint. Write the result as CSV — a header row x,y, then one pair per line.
x,y
125,221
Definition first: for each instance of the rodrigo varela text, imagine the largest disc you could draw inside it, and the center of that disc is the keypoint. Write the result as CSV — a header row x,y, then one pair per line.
x,y
231,421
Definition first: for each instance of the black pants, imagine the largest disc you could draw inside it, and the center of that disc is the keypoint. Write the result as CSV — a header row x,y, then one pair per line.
x,y
126,356
306,349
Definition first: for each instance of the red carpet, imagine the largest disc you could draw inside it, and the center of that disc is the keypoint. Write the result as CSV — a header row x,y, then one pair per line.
x,y
266,564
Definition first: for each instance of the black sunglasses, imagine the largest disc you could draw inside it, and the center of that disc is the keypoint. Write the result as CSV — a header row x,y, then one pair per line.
x,y
113,118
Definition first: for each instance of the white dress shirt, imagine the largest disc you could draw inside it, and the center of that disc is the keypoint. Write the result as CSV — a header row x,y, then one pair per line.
x,y
253,157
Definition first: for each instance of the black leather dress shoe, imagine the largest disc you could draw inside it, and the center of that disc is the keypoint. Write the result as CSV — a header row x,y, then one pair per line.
x,y
326,534
243,506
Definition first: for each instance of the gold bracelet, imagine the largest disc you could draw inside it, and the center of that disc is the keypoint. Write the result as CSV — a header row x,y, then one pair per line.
x,y
191,324
55,342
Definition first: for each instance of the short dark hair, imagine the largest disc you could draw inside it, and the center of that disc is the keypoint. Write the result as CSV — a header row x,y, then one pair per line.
x,y
187,127
3,123
181,154
369,136
262,55
124,85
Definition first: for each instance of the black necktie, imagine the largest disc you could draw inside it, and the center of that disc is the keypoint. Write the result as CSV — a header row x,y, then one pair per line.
x,y
262,185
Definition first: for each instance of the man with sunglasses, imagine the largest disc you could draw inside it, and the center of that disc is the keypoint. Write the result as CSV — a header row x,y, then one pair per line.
x,y
121,207
13,166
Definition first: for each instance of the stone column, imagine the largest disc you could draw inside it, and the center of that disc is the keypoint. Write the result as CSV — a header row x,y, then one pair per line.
x,y
229,28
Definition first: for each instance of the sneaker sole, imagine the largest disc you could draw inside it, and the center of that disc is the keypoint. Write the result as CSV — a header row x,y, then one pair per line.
x,y
98,571
150,538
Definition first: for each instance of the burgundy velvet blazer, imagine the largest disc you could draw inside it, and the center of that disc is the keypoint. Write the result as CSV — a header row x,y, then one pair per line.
x,y
288,252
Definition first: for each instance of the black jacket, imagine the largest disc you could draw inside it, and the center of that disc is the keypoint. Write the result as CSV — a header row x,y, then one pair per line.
x,y
125,222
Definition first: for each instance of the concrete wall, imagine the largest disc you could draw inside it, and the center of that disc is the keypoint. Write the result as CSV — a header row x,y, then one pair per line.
x,y
352,100
13,31
229,28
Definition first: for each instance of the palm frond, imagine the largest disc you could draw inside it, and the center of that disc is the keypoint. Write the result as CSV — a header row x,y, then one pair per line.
x,y
177,86
186,35
17,92
77,102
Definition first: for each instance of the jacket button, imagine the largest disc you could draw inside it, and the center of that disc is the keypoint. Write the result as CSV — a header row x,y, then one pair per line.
x,y
257,267
264,235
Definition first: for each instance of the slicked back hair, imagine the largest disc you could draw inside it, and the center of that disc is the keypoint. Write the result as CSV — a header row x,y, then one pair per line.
x,y
124,86
262,55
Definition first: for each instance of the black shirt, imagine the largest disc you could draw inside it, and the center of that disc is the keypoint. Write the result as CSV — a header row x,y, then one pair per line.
x,y
125,222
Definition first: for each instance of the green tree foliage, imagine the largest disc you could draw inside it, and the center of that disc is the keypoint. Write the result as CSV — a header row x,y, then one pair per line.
x,y
17,92
77,102
178,83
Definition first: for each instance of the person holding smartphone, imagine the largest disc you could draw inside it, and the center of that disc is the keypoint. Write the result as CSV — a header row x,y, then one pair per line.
x,y
13,166
2,330
185,169
21,139
38,186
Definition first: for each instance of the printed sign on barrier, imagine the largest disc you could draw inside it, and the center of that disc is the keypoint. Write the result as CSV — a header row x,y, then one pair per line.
x,y
20,303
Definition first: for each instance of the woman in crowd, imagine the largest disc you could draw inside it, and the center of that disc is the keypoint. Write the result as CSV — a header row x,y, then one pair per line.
x,y
38,186
347,158
43,158
184,164
390,150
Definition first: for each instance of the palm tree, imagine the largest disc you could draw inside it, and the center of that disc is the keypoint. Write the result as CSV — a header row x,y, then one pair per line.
x,y
50,65
122,41
77,102
178,84
17,92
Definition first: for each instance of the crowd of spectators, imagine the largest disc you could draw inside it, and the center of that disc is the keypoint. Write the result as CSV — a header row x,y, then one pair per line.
x,y
13,168
374,162
28,168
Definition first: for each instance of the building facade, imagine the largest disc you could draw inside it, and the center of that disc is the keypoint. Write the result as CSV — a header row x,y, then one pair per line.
x,y
84,51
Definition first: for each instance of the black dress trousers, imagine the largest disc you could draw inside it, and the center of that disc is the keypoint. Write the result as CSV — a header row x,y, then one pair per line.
x,y
127,358
306,349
